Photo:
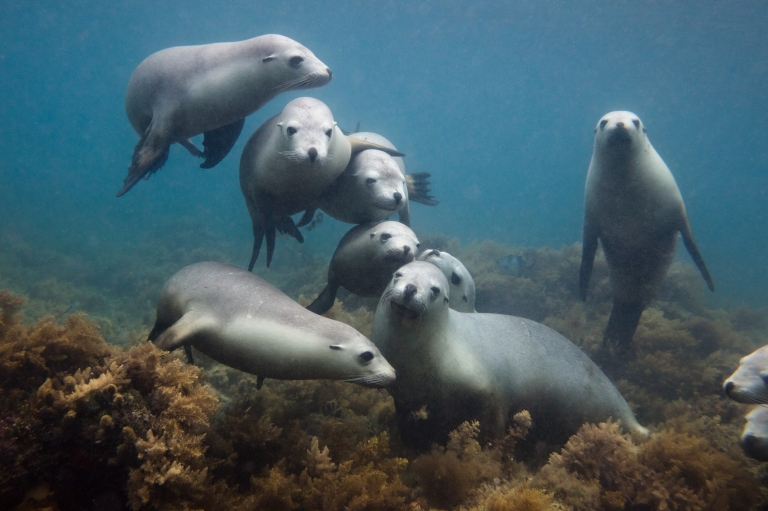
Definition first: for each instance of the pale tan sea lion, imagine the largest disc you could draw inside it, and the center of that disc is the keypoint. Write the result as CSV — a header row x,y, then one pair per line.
x,y
184,91
462,292
748,384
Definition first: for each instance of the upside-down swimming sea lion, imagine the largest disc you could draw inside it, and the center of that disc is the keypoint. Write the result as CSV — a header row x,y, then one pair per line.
x,y
374,186
241,320
288,163
748,383
365,259
462,291
180,92
633,206
458,367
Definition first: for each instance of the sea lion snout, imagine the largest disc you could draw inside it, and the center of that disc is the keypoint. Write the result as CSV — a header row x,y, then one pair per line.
x,y
312,153
409,291
398,197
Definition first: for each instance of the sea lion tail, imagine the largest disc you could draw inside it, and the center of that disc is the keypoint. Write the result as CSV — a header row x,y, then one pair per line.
x,y
418,188
324,300
622,324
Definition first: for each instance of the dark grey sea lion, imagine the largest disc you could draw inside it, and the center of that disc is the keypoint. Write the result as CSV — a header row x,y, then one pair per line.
x,y
457,367
288,163
634,207
365,259
240,320
180,92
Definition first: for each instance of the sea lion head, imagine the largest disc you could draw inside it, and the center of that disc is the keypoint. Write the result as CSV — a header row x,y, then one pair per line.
x,y
619,132
377,177
418,293
308,130
462,292
291,66
748,383
394,243
359,361
754,439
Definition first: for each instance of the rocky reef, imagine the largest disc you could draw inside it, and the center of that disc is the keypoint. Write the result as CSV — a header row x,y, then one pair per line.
x,y
89,424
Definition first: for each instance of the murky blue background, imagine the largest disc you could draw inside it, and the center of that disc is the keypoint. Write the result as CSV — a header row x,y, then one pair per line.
x,y
497,101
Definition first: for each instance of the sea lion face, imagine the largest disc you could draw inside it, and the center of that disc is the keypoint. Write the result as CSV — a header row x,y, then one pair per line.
x,y
748,383
291,65
619,132
393,243
462,287
379,180
359,361
418,292
308,130
754,439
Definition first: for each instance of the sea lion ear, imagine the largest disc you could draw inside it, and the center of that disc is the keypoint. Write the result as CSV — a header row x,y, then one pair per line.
x,y
280,124
373,235
267,59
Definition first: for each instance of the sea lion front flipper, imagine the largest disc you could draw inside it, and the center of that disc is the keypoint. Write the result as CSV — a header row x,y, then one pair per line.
x,y
217,143
286,226
324,300
358,145
622,324
258,238
269,232
418,188
690,245
181,332
588,251
307,217
149,155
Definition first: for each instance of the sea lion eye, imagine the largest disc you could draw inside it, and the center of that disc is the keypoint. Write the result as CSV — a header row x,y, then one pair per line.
x,y
603,123
418,246
636,122
291,131
295,61
329,133
335,347
385,236
455,279
366,357
435,291
464,298
398,275
370,181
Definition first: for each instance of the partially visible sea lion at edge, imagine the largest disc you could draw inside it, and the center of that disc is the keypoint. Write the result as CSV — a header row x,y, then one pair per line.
x,y
462,292
288,163
754,438
634,207
453,367
184,91
240,320
374,186
748,383
365,260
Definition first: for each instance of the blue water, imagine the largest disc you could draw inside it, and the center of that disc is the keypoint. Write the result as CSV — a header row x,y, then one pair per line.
x,y
497,100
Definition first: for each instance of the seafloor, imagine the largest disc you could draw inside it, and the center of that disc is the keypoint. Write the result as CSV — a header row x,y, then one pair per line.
x,y
93,417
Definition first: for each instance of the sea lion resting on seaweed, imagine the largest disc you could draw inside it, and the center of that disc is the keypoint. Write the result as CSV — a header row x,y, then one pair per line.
x,y
242,321
634,207
365,260
183,91
462,366
748,383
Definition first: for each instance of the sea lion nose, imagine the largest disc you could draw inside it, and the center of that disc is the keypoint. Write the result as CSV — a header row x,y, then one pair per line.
x,y
398,197
406,249
330,73
729,387
312,154
748,440
410,290
619,124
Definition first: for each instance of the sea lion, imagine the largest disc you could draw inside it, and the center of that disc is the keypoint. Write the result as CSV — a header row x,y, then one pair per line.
x,y
634,207
754,439
462,286
374,186
457,367
241,320
180,92
288,163
748,383
365,259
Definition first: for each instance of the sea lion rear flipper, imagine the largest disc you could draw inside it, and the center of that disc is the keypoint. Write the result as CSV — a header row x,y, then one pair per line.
x,y
258,238
307,217
622,324
217,143
324,300
181,332
358,145
269,231
588,250
690,245
286,226
149,155
418,188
